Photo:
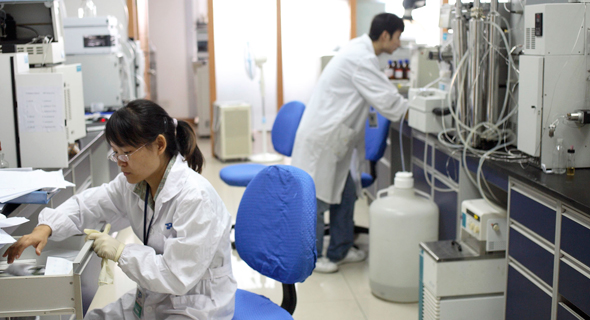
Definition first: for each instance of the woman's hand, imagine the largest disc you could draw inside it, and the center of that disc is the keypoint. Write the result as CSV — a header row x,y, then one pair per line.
x,y
37,238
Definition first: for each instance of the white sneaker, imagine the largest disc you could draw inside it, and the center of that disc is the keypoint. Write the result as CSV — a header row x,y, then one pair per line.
x,y
353,255
324,265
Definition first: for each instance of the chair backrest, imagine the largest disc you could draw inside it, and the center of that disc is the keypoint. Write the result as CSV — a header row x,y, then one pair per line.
x,y
276,224
376,138
285,127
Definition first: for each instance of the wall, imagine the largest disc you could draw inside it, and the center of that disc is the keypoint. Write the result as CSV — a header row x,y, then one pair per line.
x,y
170,25
310,29
236,23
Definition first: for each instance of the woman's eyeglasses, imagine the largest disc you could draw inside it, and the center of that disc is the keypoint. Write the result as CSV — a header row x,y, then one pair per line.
x,y
122,157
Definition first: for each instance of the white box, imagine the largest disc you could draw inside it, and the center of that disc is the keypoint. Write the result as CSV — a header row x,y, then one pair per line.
x,y
232,127
91,35
562,29
422,102
102,78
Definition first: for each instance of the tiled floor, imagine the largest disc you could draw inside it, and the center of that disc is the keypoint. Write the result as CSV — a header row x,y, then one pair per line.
x,y
344,295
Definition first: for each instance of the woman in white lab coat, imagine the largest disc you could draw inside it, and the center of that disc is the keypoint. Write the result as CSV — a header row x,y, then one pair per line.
x,y
183,268
333,126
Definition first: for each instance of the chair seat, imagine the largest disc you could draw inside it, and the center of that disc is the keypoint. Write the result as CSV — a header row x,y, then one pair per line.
x,y
366,180
239,175
253,306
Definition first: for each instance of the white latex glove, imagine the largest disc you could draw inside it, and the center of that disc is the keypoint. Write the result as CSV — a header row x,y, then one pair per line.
x,y
104,245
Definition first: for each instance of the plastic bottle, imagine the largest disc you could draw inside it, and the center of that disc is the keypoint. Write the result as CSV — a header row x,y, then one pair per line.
x,y
559,160
399,221
389,71
399,70
3,163
571,161
87,9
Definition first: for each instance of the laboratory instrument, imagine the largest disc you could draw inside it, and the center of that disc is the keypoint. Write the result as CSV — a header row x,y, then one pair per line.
x,y
113,66
48,93
428,109
400,218
38,30
466,279
554,89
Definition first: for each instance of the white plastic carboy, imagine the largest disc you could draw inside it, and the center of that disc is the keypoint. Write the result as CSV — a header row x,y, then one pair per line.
x,y
400,218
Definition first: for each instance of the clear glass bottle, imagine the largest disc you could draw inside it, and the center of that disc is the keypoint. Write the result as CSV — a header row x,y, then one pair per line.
x,y
559,158
87,9
3,163
571,161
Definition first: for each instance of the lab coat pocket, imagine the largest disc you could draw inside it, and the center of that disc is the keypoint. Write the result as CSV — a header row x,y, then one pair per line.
x,y
193,304
342,140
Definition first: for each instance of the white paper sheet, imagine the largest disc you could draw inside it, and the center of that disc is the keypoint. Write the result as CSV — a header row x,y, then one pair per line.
x,y
41,109
12,221
5,238
14,184
57,266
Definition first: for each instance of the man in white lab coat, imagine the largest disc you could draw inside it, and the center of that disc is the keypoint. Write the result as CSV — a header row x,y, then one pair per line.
x,y
332,130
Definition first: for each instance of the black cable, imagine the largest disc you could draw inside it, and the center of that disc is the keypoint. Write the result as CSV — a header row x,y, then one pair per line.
x,y
29,28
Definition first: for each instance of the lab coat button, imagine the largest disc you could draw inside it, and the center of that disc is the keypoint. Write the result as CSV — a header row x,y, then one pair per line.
x,y
148,309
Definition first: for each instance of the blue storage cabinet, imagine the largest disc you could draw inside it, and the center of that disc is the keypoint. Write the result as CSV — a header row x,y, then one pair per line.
x,y
574,264
525,299
532,219
549,243
531,255
565,313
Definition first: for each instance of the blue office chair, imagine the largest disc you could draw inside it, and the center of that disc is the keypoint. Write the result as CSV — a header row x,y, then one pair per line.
x,y
375,144
283,138
275,235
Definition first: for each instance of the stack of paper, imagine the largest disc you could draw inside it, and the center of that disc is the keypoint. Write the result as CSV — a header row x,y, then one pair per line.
x,y
7,223
14,184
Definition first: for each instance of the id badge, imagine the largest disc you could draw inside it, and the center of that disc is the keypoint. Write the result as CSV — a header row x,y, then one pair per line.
x,y
139,301
373,122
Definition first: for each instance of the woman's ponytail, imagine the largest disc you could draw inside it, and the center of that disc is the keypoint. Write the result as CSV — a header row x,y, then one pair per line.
x,y
186,140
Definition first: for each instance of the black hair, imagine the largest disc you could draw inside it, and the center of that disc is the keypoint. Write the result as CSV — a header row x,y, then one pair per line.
x,y
141,121
385,22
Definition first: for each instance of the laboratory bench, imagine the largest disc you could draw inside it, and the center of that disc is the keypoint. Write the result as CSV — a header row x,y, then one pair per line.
x,y
548,256
49,296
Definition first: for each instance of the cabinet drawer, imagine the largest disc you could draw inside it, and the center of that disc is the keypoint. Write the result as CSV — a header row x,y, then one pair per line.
x,y
36,295
524,299
531,255
533,214
574,286
82,171
565,313
575,238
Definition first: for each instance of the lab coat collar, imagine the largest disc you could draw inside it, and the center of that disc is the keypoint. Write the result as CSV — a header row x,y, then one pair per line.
x,y
174,182
365,39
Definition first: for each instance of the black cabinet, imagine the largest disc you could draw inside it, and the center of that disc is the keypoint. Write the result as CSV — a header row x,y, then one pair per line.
x,y
575,239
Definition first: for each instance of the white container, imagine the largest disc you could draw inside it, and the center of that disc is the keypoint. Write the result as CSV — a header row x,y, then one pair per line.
x,y
399,221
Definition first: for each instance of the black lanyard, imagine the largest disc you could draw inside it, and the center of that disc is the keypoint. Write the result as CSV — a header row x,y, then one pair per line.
x,y
146,234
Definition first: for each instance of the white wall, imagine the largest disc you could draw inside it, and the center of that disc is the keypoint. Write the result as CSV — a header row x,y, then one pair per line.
x,y
310,29
170,27
237,22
